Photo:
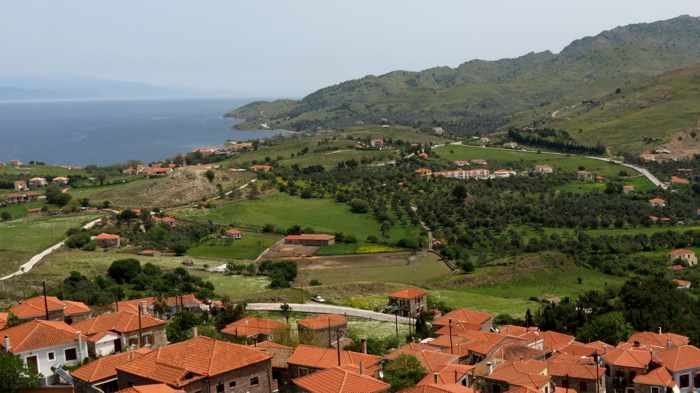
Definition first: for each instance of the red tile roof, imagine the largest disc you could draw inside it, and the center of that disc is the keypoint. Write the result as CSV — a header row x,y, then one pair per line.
x,y
555,341
280,353
562,367
323,358
658,340
529,373
449,374
310,236
452,388
156,388
323,322
132,304
656,377
630,358
339,380
106,367
408,293
120,322
3,319
431,359
252,326
678,252
38,334
34,307
464,315
679,358
107,236
182,363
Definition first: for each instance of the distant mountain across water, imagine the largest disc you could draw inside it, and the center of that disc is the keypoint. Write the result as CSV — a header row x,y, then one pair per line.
x,y
56,88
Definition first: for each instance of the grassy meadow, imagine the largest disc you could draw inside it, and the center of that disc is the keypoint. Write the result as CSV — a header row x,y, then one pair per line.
x,y
249,247
284,211
23,238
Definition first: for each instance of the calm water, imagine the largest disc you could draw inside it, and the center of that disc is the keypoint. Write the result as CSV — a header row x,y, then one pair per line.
x,y
106,132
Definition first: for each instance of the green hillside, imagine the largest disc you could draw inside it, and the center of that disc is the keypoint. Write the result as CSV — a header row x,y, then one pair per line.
x,y
482,96
637,119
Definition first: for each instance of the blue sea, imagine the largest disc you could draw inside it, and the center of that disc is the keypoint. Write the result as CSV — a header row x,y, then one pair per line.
x,y
114,131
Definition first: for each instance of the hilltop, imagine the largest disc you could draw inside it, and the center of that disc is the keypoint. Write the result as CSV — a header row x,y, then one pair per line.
x,y
482,96
664,111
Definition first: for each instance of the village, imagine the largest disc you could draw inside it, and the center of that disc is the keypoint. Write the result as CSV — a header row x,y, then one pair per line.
x,y
125,349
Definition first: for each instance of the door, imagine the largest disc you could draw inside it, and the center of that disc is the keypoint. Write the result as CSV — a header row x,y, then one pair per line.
x,y
33,364
118,345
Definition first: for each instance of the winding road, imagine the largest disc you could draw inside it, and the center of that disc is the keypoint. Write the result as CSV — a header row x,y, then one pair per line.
x,y
329,309
33,261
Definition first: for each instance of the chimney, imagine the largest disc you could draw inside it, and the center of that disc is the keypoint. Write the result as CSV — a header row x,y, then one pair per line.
x,y
363,345
669,343
6,344
636,344
195,333
660,330
436,378
490,368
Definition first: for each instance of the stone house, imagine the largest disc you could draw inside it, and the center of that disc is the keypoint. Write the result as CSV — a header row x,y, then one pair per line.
x,y
58,310
686,255
202,365
322,330
408,302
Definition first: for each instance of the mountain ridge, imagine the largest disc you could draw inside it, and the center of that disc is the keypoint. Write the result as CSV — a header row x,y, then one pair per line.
x,y
481,96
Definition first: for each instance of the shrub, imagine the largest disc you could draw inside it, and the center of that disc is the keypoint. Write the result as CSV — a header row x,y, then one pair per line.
x,y
124,270
359,206
78,240
314,282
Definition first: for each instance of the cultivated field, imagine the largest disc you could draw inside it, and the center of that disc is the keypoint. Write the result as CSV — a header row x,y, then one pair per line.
x,y
249,247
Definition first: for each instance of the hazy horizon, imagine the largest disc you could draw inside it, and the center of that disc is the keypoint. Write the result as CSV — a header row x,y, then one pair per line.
x,y
289,49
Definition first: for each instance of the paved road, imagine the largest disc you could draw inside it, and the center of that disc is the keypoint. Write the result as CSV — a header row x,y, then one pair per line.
x,y
33,261
329,309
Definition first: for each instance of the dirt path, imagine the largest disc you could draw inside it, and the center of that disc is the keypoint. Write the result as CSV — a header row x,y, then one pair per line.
x,y
33,261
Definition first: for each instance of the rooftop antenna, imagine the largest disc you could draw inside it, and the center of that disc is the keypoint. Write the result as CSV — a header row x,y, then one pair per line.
x,y
46,302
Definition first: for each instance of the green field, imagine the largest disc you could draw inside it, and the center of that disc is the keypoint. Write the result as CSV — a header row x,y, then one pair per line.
x,y
40,170
507,158
252,245
355,248
19,210
284,211
21,239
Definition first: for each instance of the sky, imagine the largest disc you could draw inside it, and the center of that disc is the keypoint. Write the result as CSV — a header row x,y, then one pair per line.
x,y
285,48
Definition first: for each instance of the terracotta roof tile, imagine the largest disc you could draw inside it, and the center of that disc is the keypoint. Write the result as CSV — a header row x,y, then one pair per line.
x,y
339,380
630,358
679,358
132,304
431,359
323,322
562,367
107,236
408,293
38,334
452,388
464,315
181,363
3,319
656,377
323,358
252,326
106,367
658,340
157,388
555,341
280,353
450,374
120,322
529,373
35,308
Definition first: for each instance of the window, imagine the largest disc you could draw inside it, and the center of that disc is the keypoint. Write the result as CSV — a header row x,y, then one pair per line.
x,y
147,339
696,381
232,384
51,355
496,389
654,389
582,387
685,380
607,371
220,388
565,384
303,371
254,381
71,354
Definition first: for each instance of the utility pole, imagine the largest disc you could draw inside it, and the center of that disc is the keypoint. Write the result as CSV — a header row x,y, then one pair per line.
x,y
397,326
140,335
337,344
449,324
330,337
46,302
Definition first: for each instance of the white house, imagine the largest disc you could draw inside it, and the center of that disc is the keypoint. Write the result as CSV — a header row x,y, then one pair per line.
x,y
45,345
683,363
